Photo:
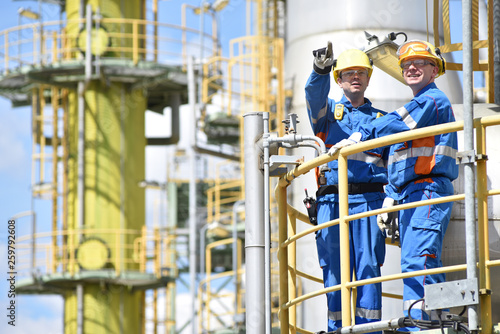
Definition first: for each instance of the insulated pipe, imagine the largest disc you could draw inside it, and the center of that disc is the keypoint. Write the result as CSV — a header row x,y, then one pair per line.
x,y
391,324
254,231
192,193
295,139
470,208
267,228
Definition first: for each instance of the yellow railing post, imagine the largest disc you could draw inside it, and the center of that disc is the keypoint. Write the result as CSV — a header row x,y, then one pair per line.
x,y
483,233
157,257
208,293
117,254
344,241
292,260
283,258
55,55
135,42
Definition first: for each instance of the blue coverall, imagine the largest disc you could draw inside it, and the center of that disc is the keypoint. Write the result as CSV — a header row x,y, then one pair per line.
x,y
418,170
367,242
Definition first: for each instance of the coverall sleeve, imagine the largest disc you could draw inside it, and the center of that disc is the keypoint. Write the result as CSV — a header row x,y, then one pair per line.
x,y
415,114
317,89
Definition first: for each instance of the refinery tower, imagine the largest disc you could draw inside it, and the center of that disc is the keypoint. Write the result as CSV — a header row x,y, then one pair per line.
x,y
90,79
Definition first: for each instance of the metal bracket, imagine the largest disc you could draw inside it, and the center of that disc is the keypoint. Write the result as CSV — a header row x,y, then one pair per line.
x,y
275,161
466,157
451,294
481,157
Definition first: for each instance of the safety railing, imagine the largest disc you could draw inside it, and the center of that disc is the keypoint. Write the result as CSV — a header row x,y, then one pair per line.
x,y
288,236
213,296
112,250
59,42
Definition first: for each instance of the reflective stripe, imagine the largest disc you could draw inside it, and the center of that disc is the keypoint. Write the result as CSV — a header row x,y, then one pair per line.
x,y
334,315
368,158
368,314
405,115
321,113
423,151
360,312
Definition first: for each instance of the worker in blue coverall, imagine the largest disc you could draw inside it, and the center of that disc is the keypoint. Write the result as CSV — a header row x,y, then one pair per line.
x,y
333,121
418,170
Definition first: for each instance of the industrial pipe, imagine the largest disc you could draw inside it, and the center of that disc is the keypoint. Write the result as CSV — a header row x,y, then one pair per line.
x,y
470,208
254,231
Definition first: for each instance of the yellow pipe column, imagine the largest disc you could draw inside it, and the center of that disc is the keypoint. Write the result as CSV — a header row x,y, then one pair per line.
x,y
114,163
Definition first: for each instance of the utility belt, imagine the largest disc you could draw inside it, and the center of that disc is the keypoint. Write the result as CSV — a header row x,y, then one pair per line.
x,y
352,189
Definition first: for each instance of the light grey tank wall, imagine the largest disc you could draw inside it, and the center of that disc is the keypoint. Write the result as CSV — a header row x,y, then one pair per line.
x,y
310,24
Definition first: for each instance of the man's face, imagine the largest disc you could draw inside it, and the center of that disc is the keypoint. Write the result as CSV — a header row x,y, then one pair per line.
x,y
353,80
419,72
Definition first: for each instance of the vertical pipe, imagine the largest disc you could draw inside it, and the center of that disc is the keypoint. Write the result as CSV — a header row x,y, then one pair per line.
x,y
344,242
267,228
170,290
235,257
81,167
470,210
79,310
88,44
254,231
496,48
192,193
55,146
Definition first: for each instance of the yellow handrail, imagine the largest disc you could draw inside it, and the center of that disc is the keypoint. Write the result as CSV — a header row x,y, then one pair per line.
x,y
288,237
51,45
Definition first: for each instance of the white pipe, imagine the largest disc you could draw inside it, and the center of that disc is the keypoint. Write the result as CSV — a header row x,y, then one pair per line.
x,y
254,229
470,208
192,193
267,228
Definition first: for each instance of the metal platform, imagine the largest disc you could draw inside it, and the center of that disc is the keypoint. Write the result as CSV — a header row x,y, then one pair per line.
x,y
159,80
58,283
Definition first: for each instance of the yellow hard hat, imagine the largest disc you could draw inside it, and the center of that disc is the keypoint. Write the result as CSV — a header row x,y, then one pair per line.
x,y
351,58
421,49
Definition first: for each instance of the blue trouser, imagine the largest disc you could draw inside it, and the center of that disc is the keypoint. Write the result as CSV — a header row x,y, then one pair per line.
x,y
367,253
421,231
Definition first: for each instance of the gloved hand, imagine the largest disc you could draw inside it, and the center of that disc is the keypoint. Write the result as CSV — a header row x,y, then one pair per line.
x,y
353,139
384,219
323,59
